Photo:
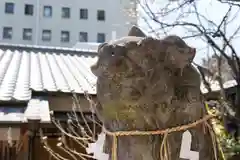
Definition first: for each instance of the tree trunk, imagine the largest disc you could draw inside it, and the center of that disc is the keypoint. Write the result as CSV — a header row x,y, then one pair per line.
x,y
237,101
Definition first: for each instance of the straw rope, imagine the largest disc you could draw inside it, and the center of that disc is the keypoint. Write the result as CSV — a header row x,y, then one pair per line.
x,y
165,132
217,140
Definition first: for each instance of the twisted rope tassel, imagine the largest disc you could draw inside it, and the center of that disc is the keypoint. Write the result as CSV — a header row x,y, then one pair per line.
x,y
114,148
215,141
164,149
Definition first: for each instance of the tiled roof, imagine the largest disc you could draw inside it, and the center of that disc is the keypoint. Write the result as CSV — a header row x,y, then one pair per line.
x,y
37,108
89,45
214,85
24,69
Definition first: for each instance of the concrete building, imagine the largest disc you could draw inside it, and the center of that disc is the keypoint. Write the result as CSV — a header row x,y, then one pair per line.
x,y
64,23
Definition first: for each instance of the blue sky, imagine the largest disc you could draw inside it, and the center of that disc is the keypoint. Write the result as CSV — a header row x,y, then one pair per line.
x,y
211,9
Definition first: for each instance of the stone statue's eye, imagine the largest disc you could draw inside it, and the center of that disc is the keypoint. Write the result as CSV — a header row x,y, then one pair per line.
x,y
112,53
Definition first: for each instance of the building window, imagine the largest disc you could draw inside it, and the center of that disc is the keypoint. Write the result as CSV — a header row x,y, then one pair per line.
x,y
83,37
46,35
101,15
65,36
9,8
101,37
65,12
47,11
28,10
83,13
7,32
27,34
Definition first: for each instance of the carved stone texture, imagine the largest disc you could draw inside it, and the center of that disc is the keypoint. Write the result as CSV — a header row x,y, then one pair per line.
x,y
149,84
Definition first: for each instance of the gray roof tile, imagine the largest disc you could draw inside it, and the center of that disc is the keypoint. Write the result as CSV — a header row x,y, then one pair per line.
x,y
37,108
26,68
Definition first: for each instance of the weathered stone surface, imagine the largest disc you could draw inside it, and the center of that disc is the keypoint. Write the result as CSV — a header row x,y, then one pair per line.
x,y
149,84
135,31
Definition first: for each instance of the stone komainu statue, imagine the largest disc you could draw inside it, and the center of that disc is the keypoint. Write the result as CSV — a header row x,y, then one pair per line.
x,y
149,84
